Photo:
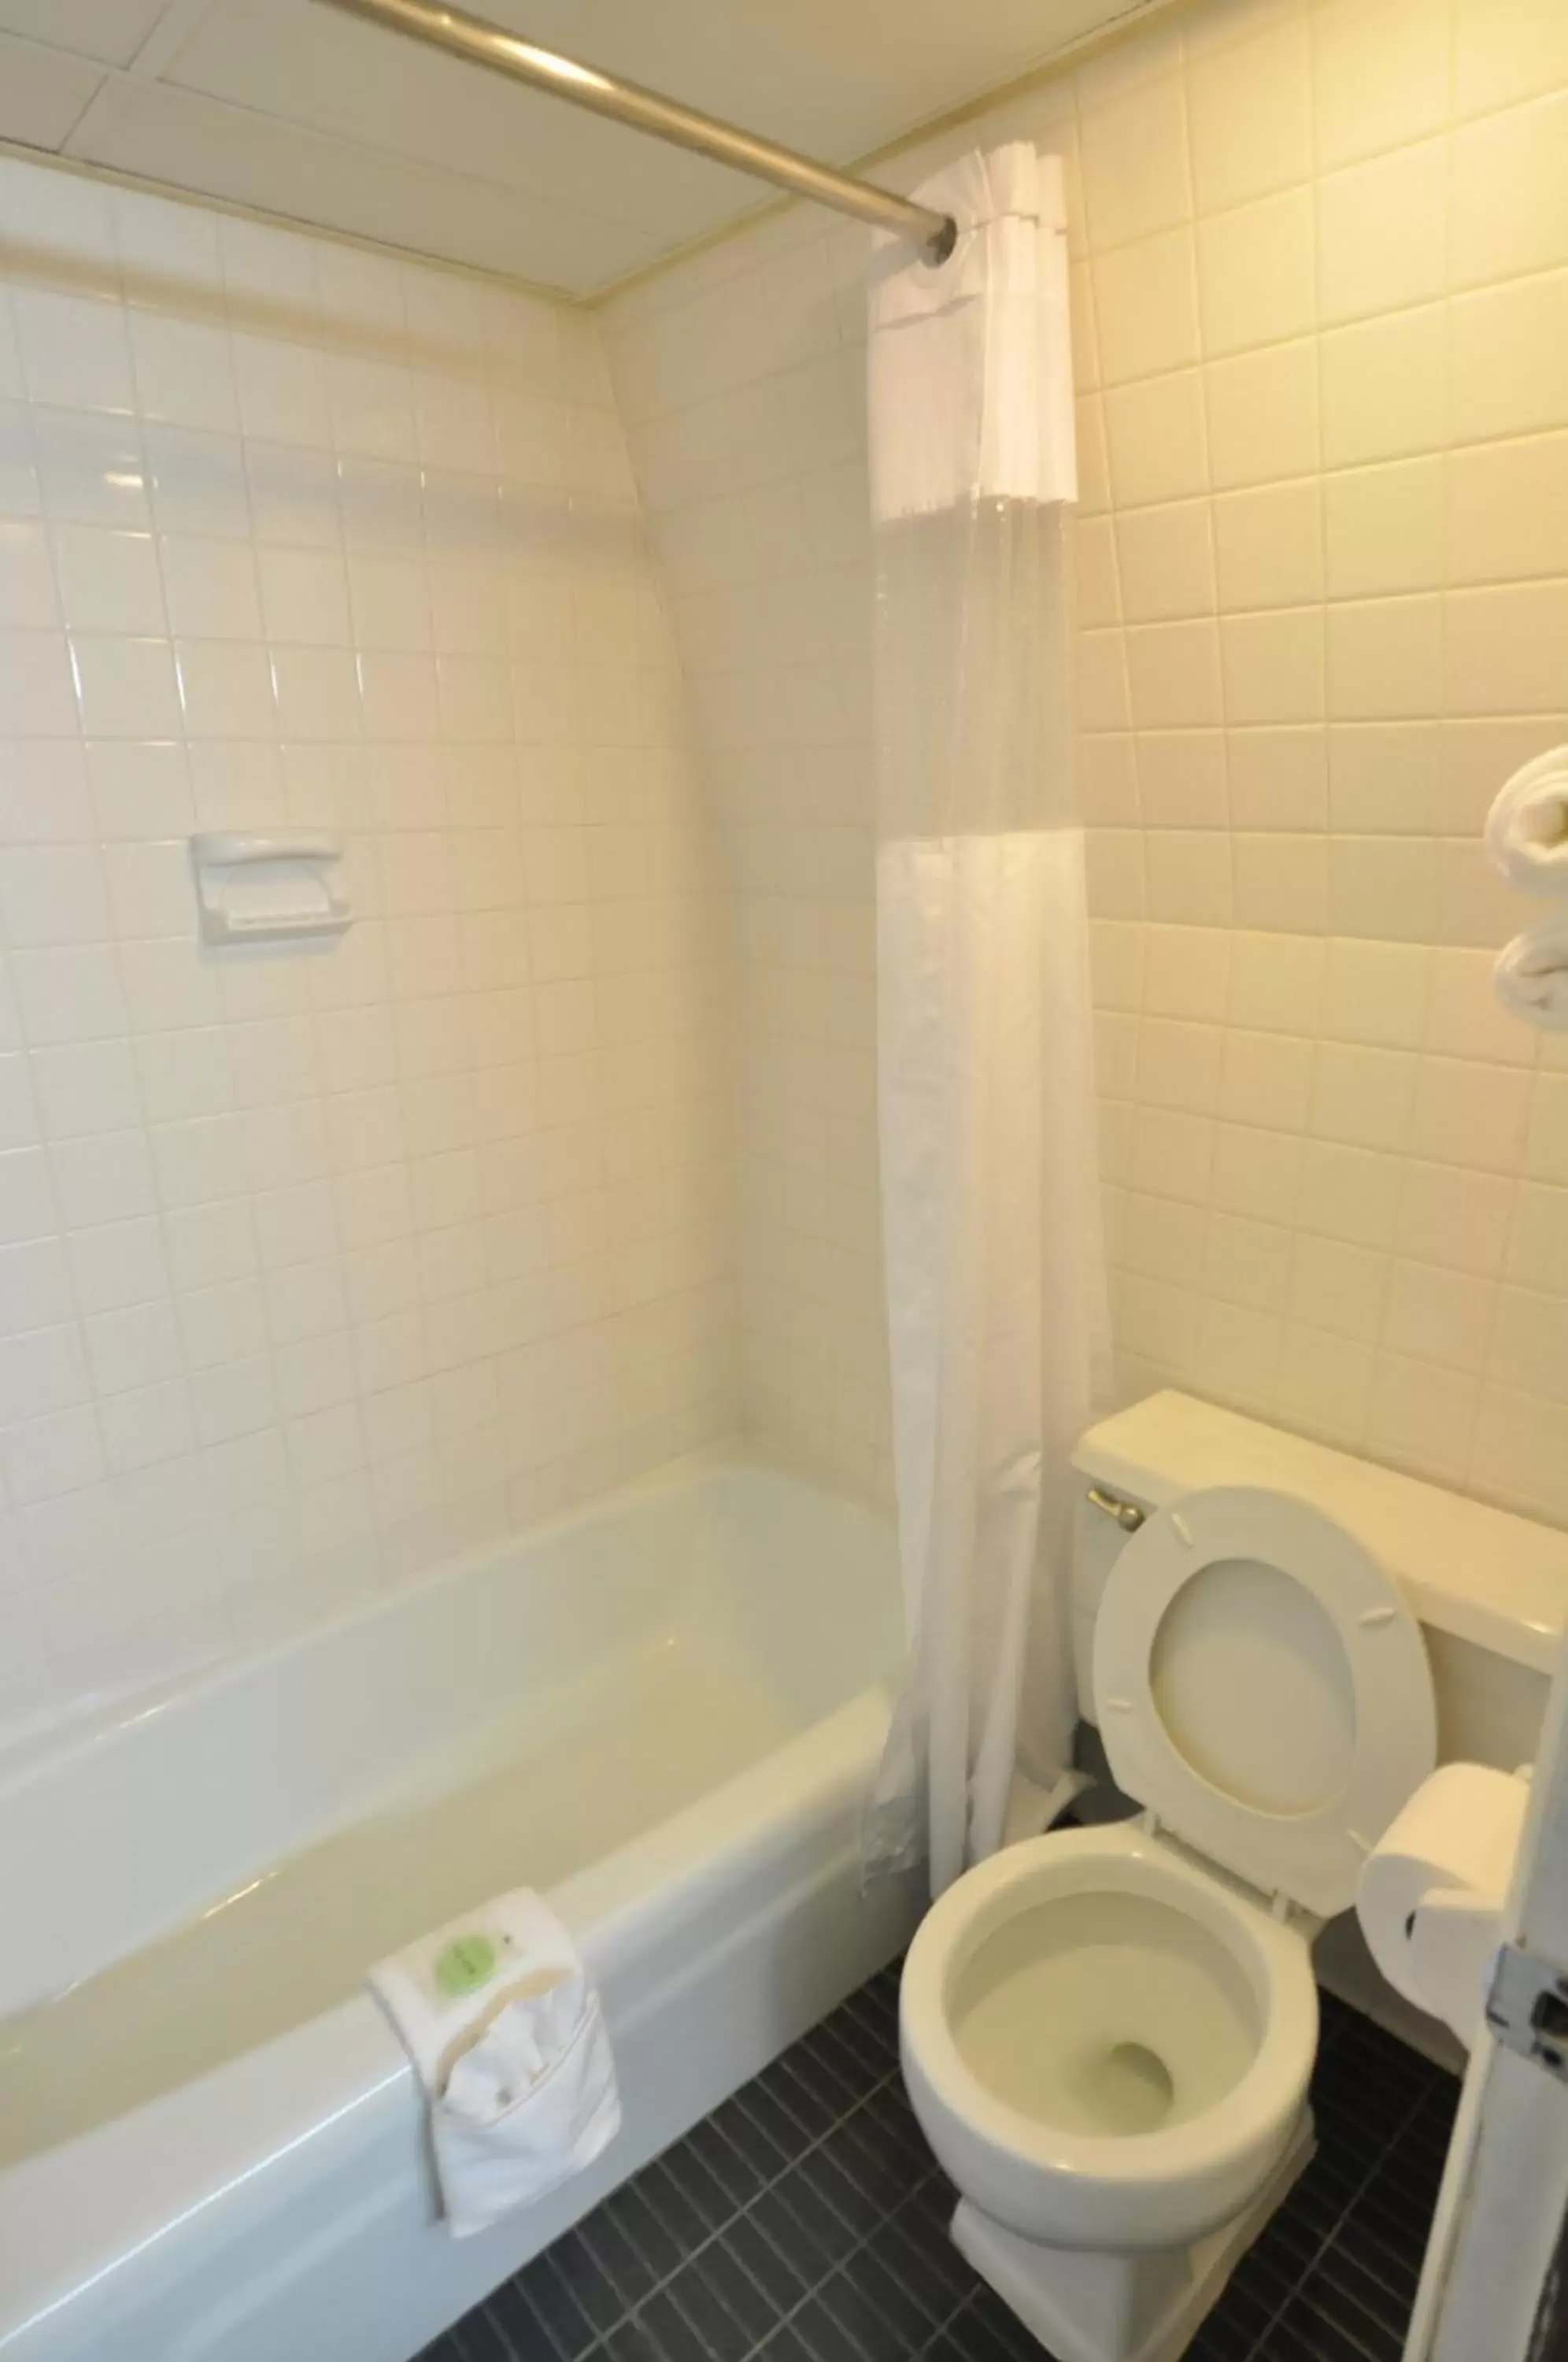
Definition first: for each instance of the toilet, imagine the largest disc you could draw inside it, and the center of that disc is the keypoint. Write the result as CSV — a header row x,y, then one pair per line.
x,y
1107,2033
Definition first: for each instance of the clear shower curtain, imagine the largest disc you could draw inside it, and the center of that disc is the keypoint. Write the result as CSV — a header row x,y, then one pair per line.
x,y
994,1268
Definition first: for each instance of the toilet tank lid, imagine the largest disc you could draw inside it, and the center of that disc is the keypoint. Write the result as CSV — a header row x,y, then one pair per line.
x,y
1483,1574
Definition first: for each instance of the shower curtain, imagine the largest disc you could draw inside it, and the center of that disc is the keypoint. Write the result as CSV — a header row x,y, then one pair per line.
x,y
994,1268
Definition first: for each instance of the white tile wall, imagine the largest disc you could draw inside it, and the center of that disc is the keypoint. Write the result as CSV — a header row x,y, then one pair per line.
x,y
740,379
318,1263
1321,283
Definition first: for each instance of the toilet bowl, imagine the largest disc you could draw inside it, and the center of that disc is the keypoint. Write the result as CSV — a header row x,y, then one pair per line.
x,y
1105,2047
1108,2034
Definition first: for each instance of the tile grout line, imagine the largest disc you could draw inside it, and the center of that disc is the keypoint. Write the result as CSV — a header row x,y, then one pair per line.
x,y
858,2246
760,2345
632,2308
1257,2351
861,2304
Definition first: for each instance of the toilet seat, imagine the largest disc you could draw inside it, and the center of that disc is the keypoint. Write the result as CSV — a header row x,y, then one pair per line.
x,y
1260,1687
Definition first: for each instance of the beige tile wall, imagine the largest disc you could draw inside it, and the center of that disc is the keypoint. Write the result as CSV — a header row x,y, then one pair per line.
x,y
1322,350
740,377
318,1263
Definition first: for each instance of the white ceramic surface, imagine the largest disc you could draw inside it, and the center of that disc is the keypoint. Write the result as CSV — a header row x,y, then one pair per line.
x,y
1108,2034
1469,1571
212,2145
1263,1688
1108,1930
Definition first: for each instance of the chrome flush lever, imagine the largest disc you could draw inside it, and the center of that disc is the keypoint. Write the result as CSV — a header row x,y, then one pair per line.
x,y
1127,1514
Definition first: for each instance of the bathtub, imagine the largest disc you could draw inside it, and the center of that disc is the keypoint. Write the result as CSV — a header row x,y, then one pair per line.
x,y
663,1712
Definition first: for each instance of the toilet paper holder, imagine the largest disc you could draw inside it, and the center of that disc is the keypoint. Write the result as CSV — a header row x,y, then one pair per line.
x,y
1527,2008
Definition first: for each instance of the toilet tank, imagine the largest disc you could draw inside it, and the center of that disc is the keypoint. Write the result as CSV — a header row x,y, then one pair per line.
x,y
1489,1588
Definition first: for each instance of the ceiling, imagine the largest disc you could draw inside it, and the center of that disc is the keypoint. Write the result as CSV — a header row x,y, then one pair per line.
x,y
287,106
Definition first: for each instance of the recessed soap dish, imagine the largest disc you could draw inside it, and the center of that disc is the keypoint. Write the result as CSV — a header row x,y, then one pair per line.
x,y
264,888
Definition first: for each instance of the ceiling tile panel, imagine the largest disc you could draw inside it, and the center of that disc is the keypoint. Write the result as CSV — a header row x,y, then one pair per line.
x,y
112,30
195,144
41,93
292,107
300,62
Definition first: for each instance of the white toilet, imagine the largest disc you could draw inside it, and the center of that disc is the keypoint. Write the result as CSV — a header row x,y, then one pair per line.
x,y
1107,2033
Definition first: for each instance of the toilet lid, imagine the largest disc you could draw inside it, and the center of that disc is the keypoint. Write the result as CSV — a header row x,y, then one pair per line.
x,y
1261,1686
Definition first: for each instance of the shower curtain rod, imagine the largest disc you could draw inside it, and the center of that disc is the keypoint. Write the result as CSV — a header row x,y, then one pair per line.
x,y
483,44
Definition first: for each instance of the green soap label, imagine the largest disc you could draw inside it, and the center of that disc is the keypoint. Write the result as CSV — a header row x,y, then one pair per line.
x,y
467,1962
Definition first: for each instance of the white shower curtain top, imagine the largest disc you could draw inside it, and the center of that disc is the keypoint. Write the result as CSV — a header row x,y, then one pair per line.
x,y
970,359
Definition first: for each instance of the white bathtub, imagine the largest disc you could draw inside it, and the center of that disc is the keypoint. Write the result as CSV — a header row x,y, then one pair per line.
x,y
663,1712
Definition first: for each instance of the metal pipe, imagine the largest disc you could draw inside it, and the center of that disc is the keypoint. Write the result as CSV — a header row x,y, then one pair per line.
x,y
462,35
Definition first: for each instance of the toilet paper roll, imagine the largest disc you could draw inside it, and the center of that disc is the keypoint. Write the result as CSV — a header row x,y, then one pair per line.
x,y
1453,1938
1459,1830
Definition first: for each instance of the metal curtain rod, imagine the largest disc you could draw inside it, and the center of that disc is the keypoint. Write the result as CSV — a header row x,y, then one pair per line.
x,y
483,44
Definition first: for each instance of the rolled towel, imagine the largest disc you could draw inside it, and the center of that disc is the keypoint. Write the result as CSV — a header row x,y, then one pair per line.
x,y
1531,974
507,2035
1526,828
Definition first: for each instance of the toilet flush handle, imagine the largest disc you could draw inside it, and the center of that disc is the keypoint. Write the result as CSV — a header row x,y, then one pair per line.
x,y
1127,1514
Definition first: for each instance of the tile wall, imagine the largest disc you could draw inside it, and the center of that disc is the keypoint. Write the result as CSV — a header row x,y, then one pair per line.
x,y
740,376
1322,349
318,1263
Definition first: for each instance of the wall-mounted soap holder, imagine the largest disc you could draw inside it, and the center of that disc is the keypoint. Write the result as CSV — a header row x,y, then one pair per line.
x,y
264,888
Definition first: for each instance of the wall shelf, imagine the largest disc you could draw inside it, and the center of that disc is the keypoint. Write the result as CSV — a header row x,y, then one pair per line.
x,y
268,889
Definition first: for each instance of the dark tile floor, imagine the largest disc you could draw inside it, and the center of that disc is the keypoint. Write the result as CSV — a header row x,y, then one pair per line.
x,y
805,2221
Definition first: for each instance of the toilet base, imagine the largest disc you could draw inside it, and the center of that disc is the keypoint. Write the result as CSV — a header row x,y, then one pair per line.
x,y
1091,2305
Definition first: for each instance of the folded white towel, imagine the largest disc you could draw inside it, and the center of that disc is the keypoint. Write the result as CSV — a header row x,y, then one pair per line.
x,y
507,2035
1526,828
1531,974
